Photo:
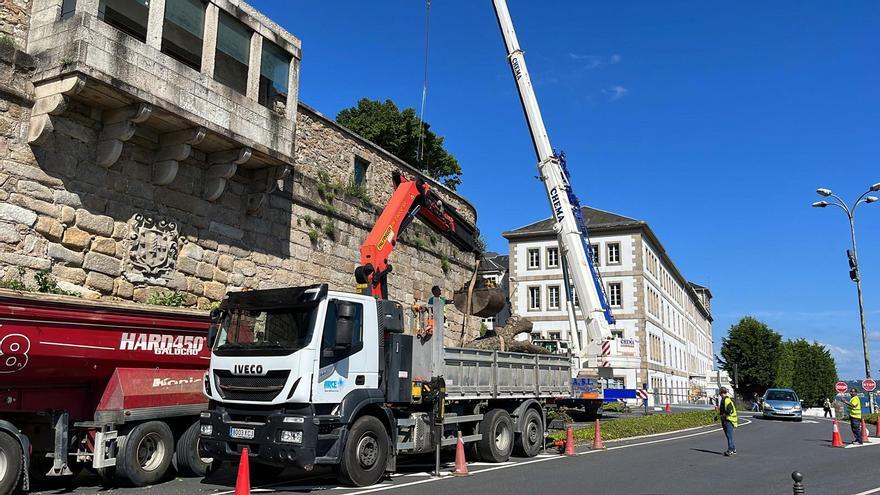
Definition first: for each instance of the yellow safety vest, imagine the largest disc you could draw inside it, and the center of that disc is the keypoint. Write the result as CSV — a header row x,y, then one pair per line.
x,y
732,416
855,407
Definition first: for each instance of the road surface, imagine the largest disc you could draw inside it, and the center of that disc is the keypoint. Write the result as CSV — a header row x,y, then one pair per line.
x,y
688,462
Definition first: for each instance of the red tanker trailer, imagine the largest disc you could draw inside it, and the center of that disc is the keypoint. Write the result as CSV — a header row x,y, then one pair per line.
x,y
113,386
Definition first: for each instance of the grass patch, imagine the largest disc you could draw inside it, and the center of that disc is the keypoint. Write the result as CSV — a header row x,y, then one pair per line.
x,y
46,284
314,235
167,298
871,418
643,425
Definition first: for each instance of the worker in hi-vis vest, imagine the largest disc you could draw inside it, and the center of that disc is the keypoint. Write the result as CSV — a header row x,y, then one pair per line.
x,y
727,412
854,404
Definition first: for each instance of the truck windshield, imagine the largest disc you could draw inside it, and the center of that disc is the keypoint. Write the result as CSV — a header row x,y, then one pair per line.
x,y
274,330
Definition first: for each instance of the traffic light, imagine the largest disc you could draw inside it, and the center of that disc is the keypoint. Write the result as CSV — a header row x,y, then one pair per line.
x,y
853,267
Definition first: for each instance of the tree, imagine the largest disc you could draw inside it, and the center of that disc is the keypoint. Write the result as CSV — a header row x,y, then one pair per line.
x,y
751,347
398,132
785,364
815,372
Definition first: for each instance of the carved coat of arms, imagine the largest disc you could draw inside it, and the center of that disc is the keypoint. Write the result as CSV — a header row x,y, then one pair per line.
x,y
154,245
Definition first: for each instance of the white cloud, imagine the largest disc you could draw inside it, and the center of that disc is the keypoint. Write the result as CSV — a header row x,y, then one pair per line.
x,y
615,92
589,61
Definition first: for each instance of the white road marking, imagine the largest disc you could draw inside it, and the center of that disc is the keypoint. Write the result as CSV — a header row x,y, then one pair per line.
x,y
810,421
80,345
506,465
871,441
869,492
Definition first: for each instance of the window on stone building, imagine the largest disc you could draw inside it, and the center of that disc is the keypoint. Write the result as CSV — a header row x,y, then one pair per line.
x,y
128,16
552,257
360,171
183,31
594,254
274,76
553,297
617,334
68,7
574,298
534,259
613,253
534,299
614,294
233,53
554,335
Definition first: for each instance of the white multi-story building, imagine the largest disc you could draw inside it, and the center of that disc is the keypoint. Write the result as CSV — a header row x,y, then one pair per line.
x,y
663,333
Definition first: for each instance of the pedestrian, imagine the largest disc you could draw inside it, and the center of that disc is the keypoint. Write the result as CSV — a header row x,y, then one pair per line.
x,y
854,404
826,406
755,407
727,412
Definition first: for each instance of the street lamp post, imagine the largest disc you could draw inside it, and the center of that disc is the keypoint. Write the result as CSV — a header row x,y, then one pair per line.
x,y
853,256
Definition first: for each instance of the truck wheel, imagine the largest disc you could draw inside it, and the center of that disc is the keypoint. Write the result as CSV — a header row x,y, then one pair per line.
x,y
187,459
146,454
530,441
366,451
10,463
497,442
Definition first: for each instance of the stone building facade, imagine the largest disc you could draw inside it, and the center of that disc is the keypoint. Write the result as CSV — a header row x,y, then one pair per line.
x,y
663,330
126,173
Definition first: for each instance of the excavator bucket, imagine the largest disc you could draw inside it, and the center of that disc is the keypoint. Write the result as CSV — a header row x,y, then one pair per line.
x,y
485,301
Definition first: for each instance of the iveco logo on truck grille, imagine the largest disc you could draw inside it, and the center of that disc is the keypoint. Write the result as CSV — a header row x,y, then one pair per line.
x,y
248,369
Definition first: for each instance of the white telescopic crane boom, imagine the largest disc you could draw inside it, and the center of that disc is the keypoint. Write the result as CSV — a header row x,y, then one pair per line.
x,y
571,242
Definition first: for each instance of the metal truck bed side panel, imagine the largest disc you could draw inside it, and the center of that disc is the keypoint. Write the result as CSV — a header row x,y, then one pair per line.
x,y
482,374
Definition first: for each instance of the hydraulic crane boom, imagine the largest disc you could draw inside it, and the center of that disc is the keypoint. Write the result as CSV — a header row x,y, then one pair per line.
x,y
571,239
410,198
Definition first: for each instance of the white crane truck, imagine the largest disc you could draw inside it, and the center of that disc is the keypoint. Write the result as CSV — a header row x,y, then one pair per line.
x,y
306,376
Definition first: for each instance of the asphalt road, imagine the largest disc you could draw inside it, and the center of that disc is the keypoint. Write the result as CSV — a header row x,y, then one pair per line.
x,y
683,463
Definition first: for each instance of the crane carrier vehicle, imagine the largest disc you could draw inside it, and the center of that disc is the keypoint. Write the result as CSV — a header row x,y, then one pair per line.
x,y
306,376
113,387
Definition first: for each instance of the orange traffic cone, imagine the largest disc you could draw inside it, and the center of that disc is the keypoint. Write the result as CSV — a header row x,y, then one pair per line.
x,y
835,437
461,468
243,481
877,429
668,409
597,436
864,432
569,443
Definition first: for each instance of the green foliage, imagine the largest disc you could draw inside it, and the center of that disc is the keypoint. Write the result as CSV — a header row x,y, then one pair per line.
x,y
329,231
785,362
444,264
643,425
871,418
15,284
314,235
559,414
47,284
210,306
7,40
613,407
752,346
815,372
483,329
167,298
481,244
398,132
358,191
312,221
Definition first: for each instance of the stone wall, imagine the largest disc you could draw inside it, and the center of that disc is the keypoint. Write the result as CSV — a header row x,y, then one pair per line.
x,y
111,233
14,18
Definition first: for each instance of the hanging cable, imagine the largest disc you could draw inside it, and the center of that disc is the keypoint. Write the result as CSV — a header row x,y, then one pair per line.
x,y
420,152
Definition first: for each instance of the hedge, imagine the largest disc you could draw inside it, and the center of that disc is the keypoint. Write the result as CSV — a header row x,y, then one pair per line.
x,y
871,418
643,425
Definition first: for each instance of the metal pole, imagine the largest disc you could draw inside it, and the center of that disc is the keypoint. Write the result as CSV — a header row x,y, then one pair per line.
x,y
852,230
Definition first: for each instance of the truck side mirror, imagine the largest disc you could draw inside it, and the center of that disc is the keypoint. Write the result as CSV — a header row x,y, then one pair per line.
x,y
214,329
345,312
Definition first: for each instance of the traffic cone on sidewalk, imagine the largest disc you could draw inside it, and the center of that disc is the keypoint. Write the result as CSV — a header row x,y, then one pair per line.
x,y
668,409
243,481
461,468
835,437
864,432
569,443
597,436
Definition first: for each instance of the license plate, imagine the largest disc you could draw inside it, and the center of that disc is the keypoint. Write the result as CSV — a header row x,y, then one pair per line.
x,y
245,433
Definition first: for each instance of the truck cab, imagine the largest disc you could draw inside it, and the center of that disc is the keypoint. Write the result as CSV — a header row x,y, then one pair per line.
x,y
289,367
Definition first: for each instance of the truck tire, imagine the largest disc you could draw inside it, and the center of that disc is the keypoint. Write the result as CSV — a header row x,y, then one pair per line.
x,y
188,461
366,451
530,441
497,442
10,463
146,454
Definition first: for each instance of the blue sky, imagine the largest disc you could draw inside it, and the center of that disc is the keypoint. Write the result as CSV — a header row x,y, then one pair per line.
x,y
714,122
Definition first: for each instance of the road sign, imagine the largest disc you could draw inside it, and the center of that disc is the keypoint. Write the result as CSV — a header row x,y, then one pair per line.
x,y
869,384
841,387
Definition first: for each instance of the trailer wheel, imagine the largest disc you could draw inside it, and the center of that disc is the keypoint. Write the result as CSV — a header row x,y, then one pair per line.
x,y
10,463
366,452
188,459
497,442
146,454
530,441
